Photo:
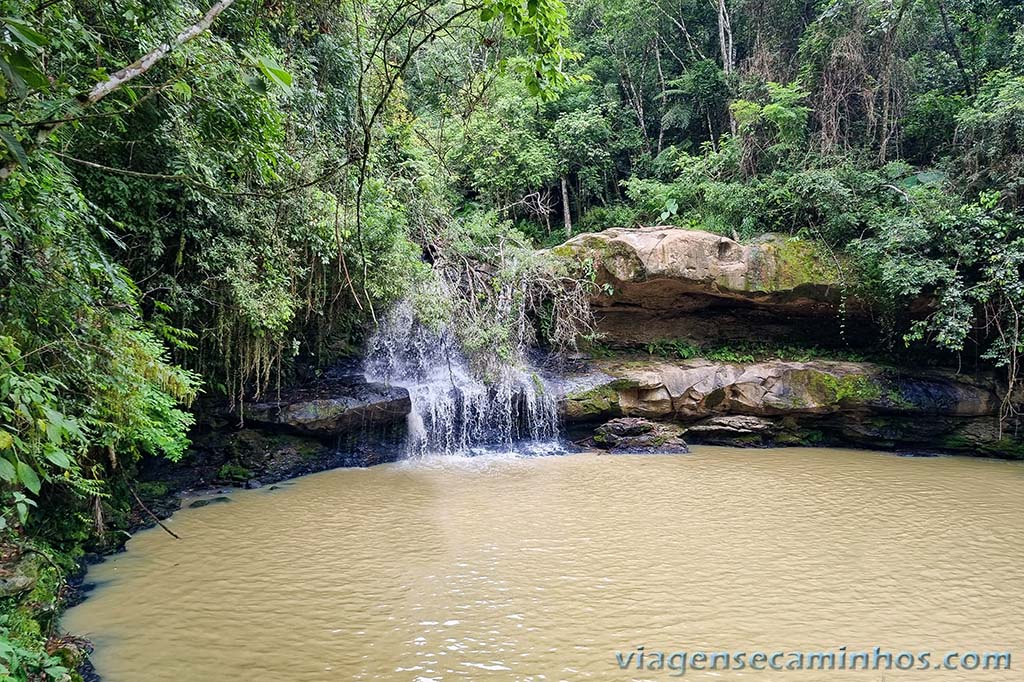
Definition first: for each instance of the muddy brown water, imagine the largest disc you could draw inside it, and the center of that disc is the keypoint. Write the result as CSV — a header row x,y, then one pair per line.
x,y
544,568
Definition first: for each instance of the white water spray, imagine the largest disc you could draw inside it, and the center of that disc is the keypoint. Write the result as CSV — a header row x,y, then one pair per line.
x,y
454,412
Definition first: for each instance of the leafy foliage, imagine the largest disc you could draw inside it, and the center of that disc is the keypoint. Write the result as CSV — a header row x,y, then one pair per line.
x,y
247,203
239,203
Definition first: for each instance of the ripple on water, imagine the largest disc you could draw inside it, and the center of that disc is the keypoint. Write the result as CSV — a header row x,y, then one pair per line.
x,y
540,568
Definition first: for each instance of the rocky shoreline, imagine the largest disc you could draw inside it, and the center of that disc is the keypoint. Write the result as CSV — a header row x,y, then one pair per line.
x,y
786,403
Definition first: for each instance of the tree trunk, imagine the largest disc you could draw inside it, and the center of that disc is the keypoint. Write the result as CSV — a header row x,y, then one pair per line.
x,y
565,208
664,98
725,43
889,122
955,49
728,50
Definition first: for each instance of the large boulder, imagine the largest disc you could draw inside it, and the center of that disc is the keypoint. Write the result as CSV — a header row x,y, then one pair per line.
x,y
333,408
783,402
20,577
670,283
635,435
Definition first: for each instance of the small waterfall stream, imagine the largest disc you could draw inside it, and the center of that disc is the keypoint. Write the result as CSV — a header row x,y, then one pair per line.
x,y
453,411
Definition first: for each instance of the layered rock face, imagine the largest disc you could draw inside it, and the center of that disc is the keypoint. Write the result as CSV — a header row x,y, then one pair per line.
x,y
669,283
798,403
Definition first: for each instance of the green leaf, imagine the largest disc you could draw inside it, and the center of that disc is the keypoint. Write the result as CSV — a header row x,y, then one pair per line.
x,y
7,472
15,147
25,34
6,440
27,70
273,71
28,478
58,457
257,84
183,89
54,432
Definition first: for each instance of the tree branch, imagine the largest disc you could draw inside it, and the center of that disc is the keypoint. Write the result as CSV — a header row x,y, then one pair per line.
x,y
123,76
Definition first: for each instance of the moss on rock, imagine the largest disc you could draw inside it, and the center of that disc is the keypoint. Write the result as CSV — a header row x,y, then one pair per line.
x,y
600,401
787,263
234,472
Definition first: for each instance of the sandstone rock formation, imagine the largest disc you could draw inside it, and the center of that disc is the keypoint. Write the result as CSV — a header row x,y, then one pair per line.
x,y
667,282
779,402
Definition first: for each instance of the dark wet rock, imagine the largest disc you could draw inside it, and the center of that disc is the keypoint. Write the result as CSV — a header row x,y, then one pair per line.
x,y
739,429
253,483
88,672
239,456
636,435
205,502
333,407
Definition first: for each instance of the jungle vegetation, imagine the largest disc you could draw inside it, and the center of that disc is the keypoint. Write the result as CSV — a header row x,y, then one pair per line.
x,y
202,197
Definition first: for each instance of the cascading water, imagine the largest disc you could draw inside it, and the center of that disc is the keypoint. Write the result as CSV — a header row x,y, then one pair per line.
x,y
454,412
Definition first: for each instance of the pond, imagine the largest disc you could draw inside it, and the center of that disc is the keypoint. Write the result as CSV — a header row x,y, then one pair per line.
x,y
561,567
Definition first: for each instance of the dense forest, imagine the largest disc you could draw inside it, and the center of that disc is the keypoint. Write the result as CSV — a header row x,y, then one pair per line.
x,y
213,198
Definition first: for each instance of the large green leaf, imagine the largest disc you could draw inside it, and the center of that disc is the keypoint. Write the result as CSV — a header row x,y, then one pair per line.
x,y
273,71
27,70
57,457
7,472
25,34
28,478
12,144
270,69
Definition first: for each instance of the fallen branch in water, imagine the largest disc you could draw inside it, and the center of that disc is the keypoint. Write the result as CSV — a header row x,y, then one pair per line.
x,y
148,511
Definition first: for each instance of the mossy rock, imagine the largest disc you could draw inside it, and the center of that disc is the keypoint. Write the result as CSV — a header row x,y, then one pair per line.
x,y
843,390
1004,448
788,439
596,402
784,264
153,490
618,259
234,472
23,577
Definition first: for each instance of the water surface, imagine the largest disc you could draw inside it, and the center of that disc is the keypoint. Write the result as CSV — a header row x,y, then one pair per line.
x,y
543,568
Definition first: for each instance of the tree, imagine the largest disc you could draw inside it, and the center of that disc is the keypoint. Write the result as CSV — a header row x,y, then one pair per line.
x,y
20,70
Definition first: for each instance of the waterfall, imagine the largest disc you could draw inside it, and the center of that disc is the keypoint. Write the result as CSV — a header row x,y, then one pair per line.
x,y
453,411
